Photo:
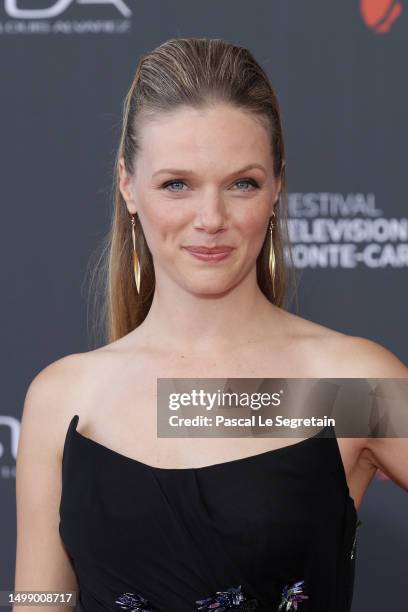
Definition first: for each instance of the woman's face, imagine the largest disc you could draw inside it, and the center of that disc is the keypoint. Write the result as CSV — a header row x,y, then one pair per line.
x,y
203,178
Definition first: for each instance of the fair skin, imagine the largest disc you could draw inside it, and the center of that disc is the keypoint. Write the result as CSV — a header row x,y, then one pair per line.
x,y
206,320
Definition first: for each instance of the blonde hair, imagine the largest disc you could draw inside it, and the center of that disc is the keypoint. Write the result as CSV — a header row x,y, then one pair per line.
x,y
194,72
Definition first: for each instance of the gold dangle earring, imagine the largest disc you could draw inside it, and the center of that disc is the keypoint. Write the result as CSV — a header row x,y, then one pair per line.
x,y
272,261
136,263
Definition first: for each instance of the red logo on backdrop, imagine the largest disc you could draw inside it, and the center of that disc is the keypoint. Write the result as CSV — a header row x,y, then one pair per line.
x,y
379,15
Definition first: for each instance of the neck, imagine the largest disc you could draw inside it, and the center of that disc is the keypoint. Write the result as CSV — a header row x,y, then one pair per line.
x,y
209,321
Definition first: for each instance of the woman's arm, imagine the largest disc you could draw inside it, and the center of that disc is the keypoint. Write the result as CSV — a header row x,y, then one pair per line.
x,y
41,559
371,360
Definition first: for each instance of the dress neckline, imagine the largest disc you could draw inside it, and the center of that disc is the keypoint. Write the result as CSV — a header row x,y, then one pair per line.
x,y
221,464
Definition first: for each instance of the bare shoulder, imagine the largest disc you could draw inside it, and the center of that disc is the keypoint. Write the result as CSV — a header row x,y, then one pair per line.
x,y
65,387
49,401
359,357
335,354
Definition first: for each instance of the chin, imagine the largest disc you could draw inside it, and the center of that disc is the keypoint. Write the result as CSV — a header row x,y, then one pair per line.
x,y
209,289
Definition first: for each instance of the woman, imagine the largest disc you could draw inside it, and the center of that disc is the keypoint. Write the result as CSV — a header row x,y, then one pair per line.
x,y
175,524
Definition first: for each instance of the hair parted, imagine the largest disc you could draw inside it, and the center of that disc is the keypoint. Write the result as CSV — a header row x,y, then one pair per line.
x,y
193,72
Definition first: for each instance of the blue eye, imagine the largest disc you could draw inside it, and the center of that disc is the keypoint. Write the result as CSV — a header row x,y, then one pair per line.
x,y
241,181
173,183
249,182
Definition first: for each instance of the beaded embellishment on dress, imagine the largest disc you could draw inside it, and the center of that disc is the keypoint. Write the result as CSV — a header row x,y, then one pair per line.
x,y
134,603
231,599
292,595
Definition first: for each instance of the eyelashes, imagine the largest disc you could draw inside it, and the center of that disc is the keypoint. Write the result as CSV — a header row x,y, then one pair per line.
x,y
250,181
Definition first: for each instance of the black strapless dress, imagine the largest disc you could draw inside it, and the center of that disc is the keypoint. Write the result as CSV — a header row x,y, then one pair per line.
x,y
275,531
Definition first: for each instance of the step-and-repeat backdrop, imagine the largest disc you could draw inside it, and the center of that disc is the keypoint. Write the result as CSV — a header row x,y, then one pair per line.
x,y
339,69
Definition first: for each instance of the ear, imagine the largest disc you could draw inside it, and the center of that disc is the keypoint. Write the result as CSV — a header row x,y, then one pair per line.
x,y
124,186
278,188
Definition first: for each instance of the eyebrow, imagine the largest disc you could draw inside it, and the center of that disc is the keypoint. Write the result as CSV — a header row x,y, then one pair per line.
x,y
191,172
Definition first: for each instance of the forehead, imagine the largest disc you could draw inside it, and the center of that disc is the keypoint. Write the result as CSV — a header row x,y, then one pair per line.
x,y
220,132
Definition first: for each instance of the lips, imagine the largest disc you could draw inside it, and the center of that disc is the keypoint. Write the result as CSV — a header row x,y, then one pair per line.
x,y
209,250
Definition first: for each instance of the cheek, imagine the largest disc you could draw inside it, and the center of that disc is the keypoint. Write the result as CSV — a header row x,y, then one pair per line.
x,y
162,222
252,225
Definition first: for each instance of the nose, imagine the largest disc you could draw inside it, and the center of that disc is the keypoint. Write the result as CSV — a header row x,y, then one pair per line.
x,y
212,214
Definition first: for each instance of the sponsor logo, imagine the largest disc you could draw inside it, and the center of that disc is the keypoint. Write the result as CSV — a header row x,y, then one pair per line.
x,y
8,445
52,18
13,9
380,15
333,230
